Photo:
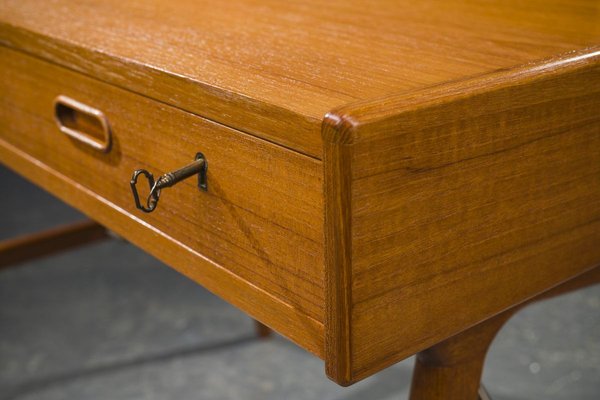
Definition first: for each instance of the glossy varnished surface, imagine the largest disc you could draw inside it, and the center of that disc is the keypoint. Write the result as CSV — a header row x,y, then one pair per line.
x,y
455,203
252,226
275,68
460,171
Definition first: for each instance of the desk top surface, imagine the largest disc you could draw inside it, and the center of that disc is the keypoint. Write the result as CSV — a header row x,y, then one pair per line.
x,y
252,64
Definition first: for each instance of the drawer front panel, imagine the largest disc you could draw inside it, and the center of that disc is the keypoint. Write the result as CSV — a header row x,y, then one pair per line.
x,y
260,219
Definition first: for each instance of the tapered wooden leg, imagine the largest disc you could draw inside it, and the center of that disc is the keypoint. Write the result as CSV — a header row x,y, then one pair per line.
x,y
41,244
451,370
262,331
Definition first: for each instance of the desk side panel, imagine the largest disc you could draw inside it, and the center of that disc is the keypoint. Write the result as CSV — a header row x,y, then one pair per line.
x,y
465,200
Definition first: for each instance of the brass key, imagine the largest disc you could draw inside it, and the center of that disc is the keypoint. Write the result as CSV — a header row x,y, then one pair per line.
x,y
198,167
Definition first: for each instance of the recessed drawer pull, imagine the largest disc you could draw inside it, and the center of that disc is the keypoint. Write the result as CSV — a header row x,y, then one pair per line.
x,y
198,167
82,123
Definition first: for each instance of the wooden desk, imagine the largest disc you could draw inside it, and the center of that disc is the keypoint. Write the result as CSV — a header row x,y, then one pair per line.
x,y
382,176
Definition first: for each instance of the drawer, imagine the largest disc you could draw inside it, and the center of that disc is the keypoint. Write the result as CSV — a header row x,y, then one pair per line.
x,y
259,223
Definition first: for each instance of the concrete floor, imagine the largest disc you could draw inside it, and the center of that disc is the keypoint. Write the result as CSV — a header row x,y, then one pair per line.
x,y
107,321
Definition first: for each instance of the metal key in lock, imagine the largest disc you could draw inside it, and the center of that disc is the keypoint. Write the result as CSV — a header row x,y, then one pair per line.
x,y
198,167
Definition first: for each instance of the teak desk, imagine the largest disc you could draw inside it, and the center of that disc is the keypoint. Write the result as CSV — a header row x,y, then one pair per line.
x,y
382,175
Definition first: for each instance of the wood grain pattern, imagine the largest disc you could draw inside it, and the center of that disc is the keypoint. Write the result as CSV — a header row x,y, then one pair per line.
x,y
338,253
274,68
261,305
465,199
261,218
456,166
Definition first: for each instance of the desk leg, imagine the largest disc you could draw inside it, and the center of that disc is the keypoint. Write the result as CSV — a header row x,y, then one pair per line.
x,y
262,331
451,370
30,247
52,241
